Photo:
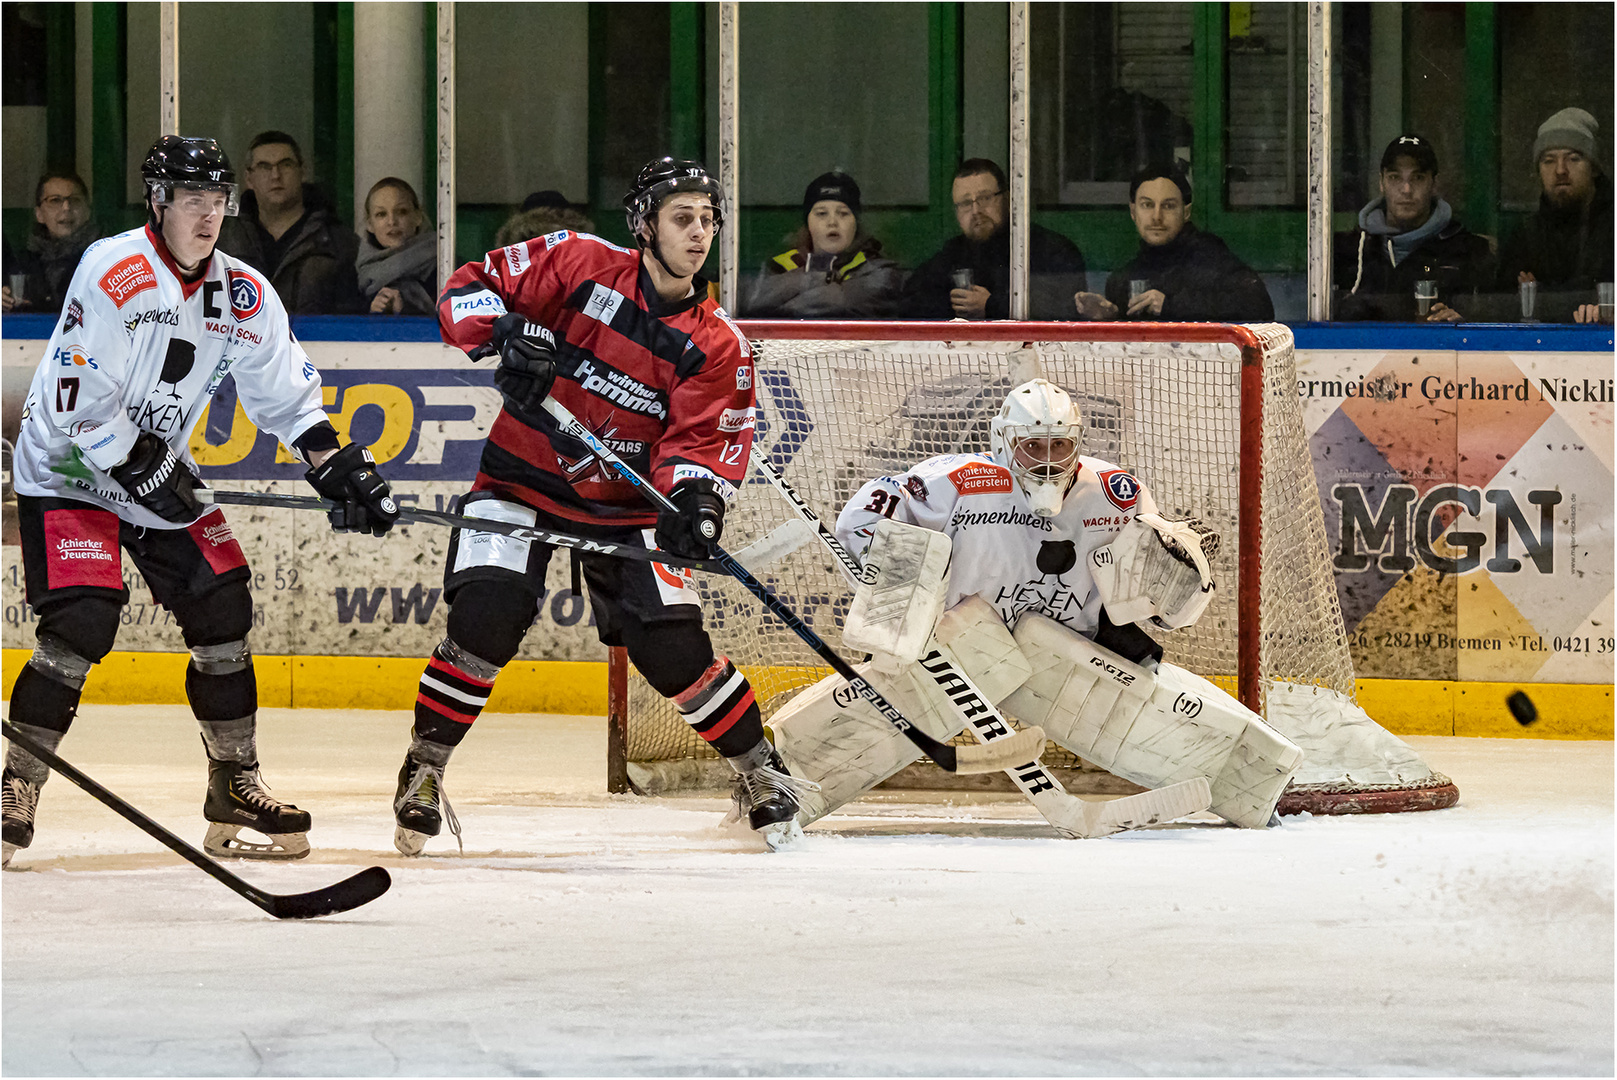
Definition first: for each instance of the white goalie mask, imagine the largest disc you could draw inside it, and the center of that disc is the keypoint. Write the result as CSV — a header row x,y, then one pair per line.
x,y
1037,435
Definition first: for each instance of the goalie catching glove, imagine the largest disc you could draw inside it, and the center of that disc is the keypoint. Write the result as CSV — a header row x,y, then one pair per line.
x,y
349,479
527,362
691,531
1157,570
159,481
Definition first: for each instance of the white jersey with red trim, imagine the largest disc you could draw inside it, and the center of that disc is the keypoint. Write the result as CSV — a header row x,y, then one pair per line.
x,y
1003,552
138,349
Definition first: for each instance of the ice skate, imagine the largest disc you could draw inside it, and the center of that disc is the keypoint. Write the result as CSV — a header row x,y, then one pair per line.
x,y
236,800
415,807
20,798
767,797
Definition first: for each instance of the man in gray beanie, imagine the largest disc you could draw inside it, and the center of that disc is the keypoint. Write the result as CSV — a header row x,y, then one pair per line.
x,y
1566,245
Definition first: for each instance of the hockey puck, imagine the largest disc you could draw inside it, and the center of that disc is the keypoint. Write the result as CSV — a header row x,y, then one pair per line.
x,y
1522,708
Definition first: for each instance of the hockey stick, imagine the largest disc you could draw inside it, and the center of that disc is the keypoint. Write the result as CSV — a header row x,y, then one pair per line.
x,y
1025,744
345,895
1070,815
470,524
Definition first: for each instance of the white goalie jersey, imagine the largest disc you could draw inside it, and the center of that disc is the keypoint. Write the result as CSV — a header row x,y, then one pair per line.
x,y
138,349
1002,551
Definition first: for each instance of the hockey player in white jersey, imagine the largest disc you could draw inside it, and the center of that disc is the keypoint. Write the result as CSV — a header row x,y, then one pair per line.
x,y
1053,560
155,319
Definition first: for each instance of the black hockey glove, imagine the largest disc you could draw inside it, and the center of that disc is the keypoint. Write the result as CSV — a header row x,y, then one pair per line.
x,y
349,479
692,532
159,481
527,361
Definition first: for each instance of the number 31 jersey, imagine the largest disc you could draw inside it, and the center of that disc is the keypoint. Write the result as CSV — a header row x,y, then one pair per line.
x,y
138,349
1003,552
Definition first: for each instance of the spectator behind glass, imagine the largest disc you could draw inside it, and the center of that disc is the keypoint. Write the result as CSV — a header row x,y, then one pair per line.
x,y
832,267
1190,275
398,258
542,213
287,230
984,249
62,230
1405,235
1566,245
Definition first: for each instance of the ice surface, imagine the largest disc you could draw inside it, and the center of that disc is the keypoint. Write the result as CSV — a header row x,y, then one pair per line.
x,y
590,934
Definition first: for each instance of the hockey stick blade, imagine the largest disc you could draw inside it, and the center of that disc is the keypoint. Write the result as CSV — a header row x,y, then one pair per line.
x,y
411,515
1091,820
1022,748
345,895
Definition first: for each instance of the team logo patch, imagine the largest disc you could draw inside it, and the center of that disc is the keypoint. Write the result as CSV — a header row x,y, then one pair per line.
x,y
127,278
916,487
246,295
980,478
1121,488
516,257
73,316
744,377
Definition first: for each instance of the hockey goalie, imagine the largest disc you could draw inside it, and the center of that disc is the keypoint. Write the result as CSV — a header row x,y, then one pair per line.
x,y
1032,572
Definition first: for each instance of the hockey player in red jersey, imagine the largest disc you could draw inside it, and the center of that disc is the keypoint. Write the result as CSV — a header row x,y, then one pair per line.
x,y
631,344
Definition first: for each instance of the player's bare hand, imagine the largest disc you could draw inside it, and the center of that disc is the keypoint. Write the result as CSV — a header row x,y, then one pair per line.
x,y
969,303
1147,303
1586,313
11,303
1094,306
1526,275
1441,312
387,302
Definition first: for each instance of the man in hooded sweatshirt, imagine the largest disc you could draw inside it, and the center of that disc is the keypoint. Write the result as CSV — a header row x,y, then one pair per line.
x,y
1189,275
1409,234
1566,246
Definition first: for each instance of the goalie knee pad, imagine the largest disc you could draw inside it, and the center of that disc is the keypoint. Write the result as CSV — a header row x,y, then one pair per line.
x,y
1153,728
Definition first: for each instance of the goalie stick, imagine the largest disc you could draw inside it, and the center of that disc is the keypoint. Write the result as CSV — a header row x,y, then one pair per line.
x,y
1071,816
1025,744
470,524
345,895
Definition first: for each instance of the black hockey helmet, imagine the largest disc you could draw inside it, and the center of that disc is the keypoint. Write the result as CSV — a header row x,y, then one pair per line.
x,y
662,178
177,161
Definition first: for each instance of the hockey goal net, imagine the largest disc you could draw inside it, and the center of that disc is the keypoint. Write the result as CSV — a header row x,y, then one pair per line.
x,y
1205,414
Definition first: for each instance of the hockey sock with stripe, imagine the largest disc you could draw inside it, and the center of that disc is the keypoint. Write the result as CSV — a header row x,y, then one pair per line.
x,y
454,688
721,708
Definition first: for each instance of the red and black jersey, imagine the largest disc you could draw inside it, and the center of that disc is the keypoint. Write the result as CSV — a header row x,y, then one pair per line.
x,y
668,387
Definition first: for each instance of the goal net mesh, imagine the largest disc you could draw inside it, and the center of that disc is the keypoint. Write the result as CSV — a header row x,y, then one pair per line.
x,y
832,414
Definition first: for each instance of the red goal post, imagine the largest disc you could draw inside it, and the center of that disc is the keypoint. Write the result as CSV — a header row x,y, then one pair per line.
x,y
1205,414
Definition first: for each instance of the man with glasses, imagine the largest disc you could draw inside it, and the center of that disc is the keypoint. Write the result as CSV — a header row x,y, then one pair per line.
x,y
289,231
62,230
156,318
970,278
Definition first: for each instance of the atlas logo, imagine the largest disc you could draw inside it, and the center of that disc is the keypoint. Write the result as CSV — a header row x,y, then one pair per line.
x,y
1121,488
246,295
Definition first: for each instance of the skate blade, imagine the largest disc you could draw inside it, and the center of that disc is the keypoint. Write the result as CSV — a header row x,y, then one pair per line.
x,y
409,841
9,849
782,834
224,842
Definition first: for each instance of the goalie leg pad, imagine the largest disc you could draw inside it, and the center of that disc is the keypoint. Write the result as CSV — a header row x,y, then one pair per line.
x,y
979,644
830,735
1151,728
906,578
